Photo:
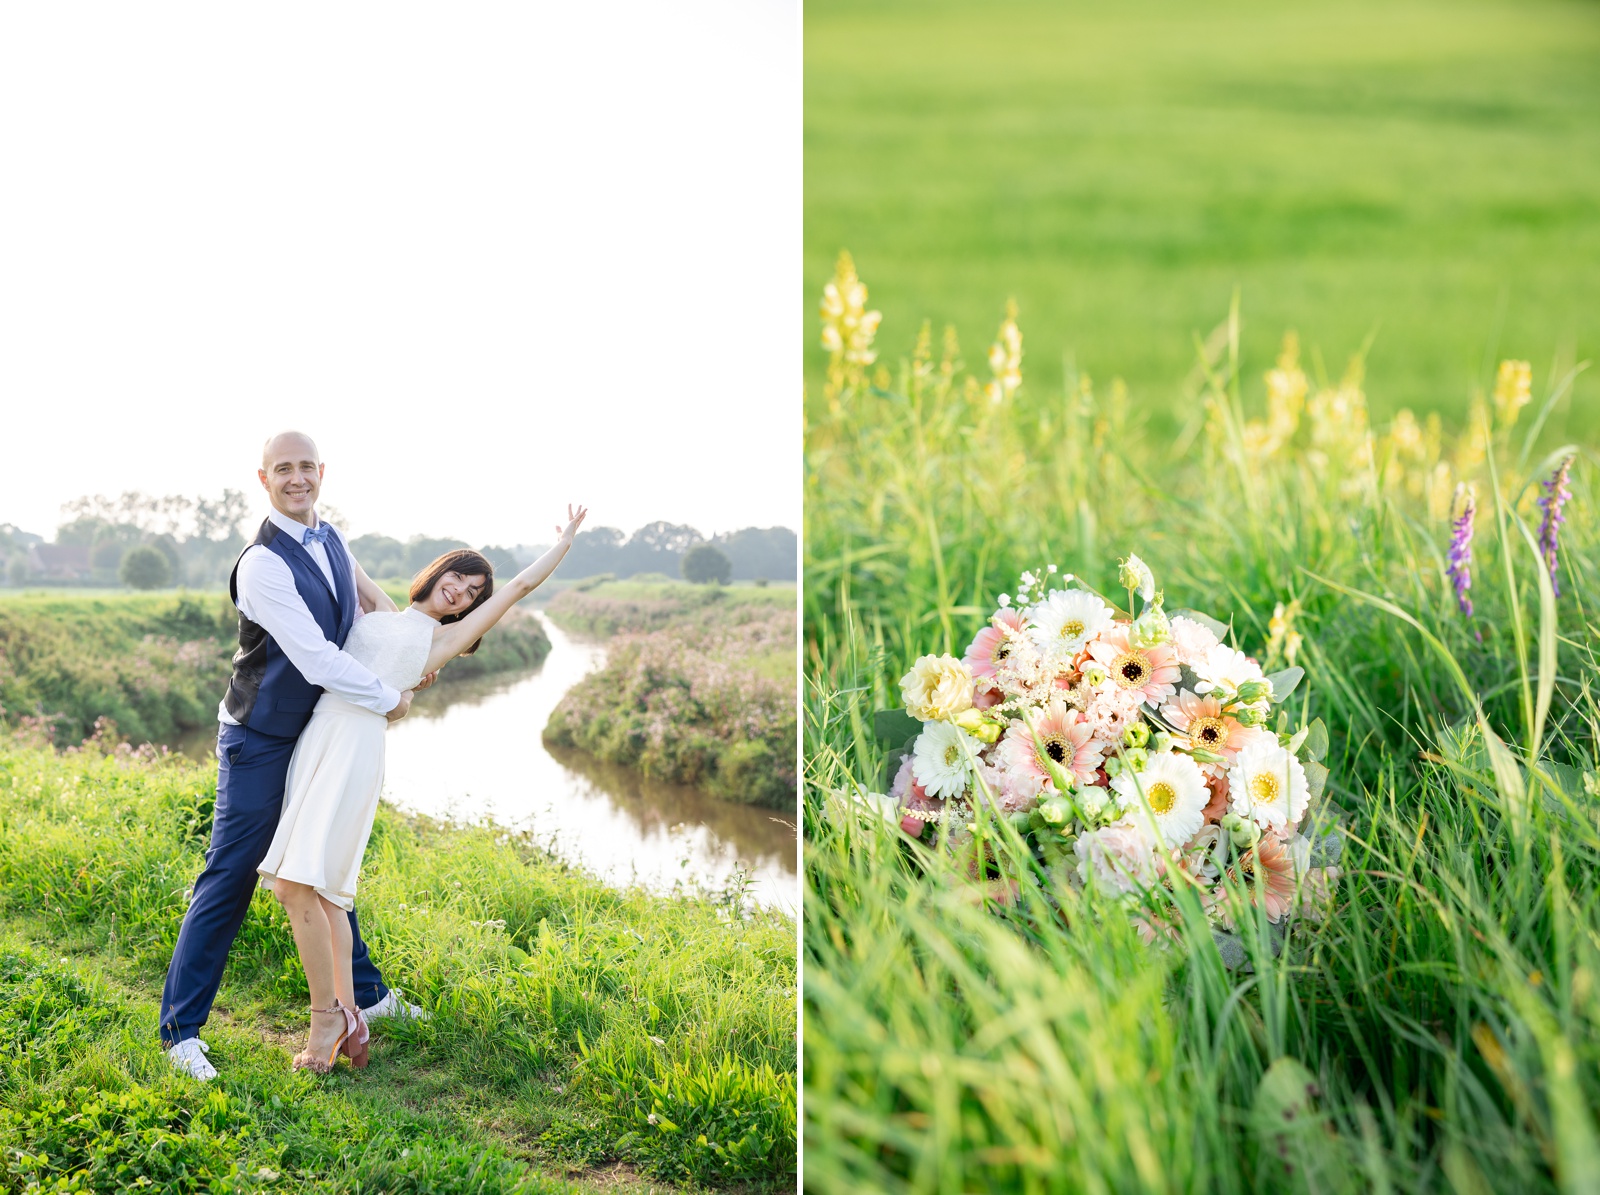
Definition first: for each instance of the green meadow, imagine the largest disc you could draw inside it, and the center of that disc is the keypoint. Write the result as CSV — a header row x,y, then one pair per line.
x,y
1422,172
581,1039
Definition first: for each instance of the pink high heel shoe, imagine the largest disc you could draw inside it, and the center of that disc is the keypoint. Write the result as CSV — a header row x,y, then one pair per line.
x,y
356,1045
306,1060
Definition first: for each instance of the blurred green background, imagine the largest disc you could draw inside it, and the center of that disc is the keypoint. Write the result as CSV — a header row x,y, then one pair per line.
x,y
1429,170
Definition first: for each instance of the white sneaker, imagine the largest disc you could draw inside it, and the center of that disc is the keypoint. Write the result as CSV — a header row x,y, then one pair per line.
x,y
189,1056
394,1005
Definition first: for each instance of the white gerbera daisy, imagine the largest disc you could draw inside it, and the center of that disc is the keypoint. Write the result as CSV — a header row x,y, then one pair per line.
x,y
938,761
1175,796
1065,621
1267,784
1228,667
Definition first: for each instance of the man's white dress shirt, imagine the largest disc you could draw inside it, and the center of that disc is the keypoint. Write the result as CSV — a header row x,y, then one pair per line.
x,y
268,598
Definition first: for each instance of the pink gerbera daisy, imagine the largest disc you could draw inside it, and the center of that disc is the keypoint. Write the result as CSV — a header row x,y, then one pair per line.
x,y
1060,735
1152,672
1207,727
991,646
1267,872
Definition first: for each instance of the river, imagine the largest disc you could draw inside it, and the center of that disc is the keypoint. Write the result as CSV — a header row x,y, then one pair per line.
x,y
472,750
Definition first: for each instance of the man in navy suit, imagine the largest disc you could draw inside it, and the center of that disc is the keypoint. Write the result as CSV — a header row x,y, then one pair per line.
x,y
299,591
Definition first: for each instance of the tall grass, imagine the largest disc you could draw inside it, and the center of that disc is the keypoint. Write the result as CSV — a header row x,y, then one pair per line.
x,y
586,1025
1440,1030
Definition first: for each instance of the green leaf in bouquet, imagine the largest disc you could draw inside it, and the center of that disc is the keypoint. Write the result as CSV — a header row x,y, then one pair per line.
x,y
1219,629
1285,682
1315,745
894,727
1316,779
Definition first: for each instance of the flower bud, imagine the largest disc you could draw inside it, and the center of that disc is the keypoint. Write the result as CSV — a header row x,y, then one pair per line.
x,y
1161,743
1244,832
1136,735
1247,716
989,732
1150,629
1095,674
1254,690
969,719
1056,811
1113,766
1092,800
1135,575
1136,758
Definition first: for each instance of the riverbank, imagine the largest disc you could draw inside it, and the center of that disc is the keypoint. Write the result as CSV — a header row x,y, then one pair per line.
x,y
579,1034
697,688
155,665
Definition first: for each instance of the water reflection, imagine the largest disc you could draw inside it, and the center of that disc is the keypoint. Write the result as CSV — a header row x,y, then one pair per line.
x,y
472,750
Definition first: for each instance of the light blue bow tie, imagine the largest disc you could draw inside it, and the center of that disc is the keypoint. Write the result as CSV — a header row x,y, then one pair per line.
x,y
317,535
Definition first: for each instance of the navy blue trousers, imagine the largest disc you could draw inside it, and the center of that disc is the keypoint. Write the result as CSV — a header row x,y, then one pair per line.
x,y
252,769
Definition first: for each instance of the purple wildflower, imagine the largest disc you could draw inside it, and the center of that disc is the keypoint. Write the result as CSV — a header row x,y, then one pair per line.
x,y
1461,546
1555,497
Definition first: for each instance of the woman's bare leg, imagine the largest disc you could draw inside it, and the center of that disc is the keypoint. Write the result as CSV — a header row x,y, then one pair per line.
x,y
344,983
311,938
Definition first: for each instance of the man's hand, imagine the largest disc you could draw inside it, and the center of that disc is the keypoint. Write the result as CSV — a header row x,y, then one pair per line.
x,y
402,709
426,681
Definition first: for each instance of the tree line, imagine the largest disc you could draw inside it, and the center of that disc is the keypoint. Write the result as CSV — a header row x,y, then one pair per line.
x,y
153,543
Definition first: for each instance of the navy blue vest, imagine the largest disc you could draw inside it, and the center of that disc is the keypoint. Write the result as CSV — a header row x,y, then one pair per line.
x,y
267,693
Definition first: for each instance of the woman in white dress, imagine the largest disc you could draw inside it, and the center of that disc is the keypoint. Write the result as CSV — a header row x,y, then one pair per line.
x,y
336,774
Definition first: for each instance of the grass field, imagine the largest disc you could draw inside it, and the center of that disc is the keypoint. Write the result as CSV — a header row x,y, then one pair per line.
x,y
1440,1031
1425,169
582,1039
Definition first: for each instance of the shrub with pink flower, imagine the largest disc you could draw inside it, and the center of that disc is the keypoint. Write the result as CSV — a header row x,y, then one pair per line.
x,y
1133,752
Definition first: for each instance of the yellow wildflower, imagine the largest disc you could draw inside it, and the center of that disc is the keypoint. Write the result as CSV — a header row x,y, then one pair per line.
x,y
847,326
1005,358
1513,390
1283,641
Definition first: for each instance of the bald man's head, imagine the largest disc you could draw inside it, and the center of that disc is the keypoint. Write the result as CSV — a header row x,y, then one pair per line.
x,y
292,443
291,473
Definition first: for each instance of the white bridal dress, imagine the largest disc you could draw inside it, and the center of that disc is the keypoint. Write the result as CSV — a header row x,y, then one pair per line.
x,y
336,772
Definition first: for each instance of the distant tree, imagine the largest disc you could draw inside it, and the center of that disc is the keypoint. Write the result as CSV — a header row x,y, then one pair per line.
x,y
380,555
593,552
145,567
422,551
771,552
17,570
704,565
218,518
107,553
80,532
503,559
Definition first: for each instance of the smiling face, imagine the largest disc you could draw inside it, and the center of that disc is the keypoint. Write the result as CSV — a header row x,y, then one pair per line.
x,y
453,593
291,473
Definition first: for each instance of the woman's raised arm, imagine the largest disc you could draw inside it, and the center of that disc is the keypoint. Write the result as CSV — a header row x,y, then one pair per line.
x,y
451,639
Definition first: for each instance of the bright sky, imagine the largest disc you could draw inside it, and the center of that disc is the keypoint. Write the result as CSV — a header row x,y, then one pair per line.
x,y
493,257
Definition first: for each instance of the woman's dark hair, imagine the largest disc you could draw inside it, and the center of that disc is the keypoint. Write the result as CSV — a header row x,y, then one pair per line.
x,y
469,564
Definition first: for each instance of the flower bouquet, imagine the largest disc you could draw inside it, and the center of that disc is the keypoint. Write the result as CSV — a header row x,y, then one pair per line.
x,y
1132,753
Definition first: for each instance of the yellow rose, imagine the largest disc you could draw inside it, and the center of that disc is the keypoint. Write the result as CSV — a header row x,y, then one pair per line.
x,y
937,688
